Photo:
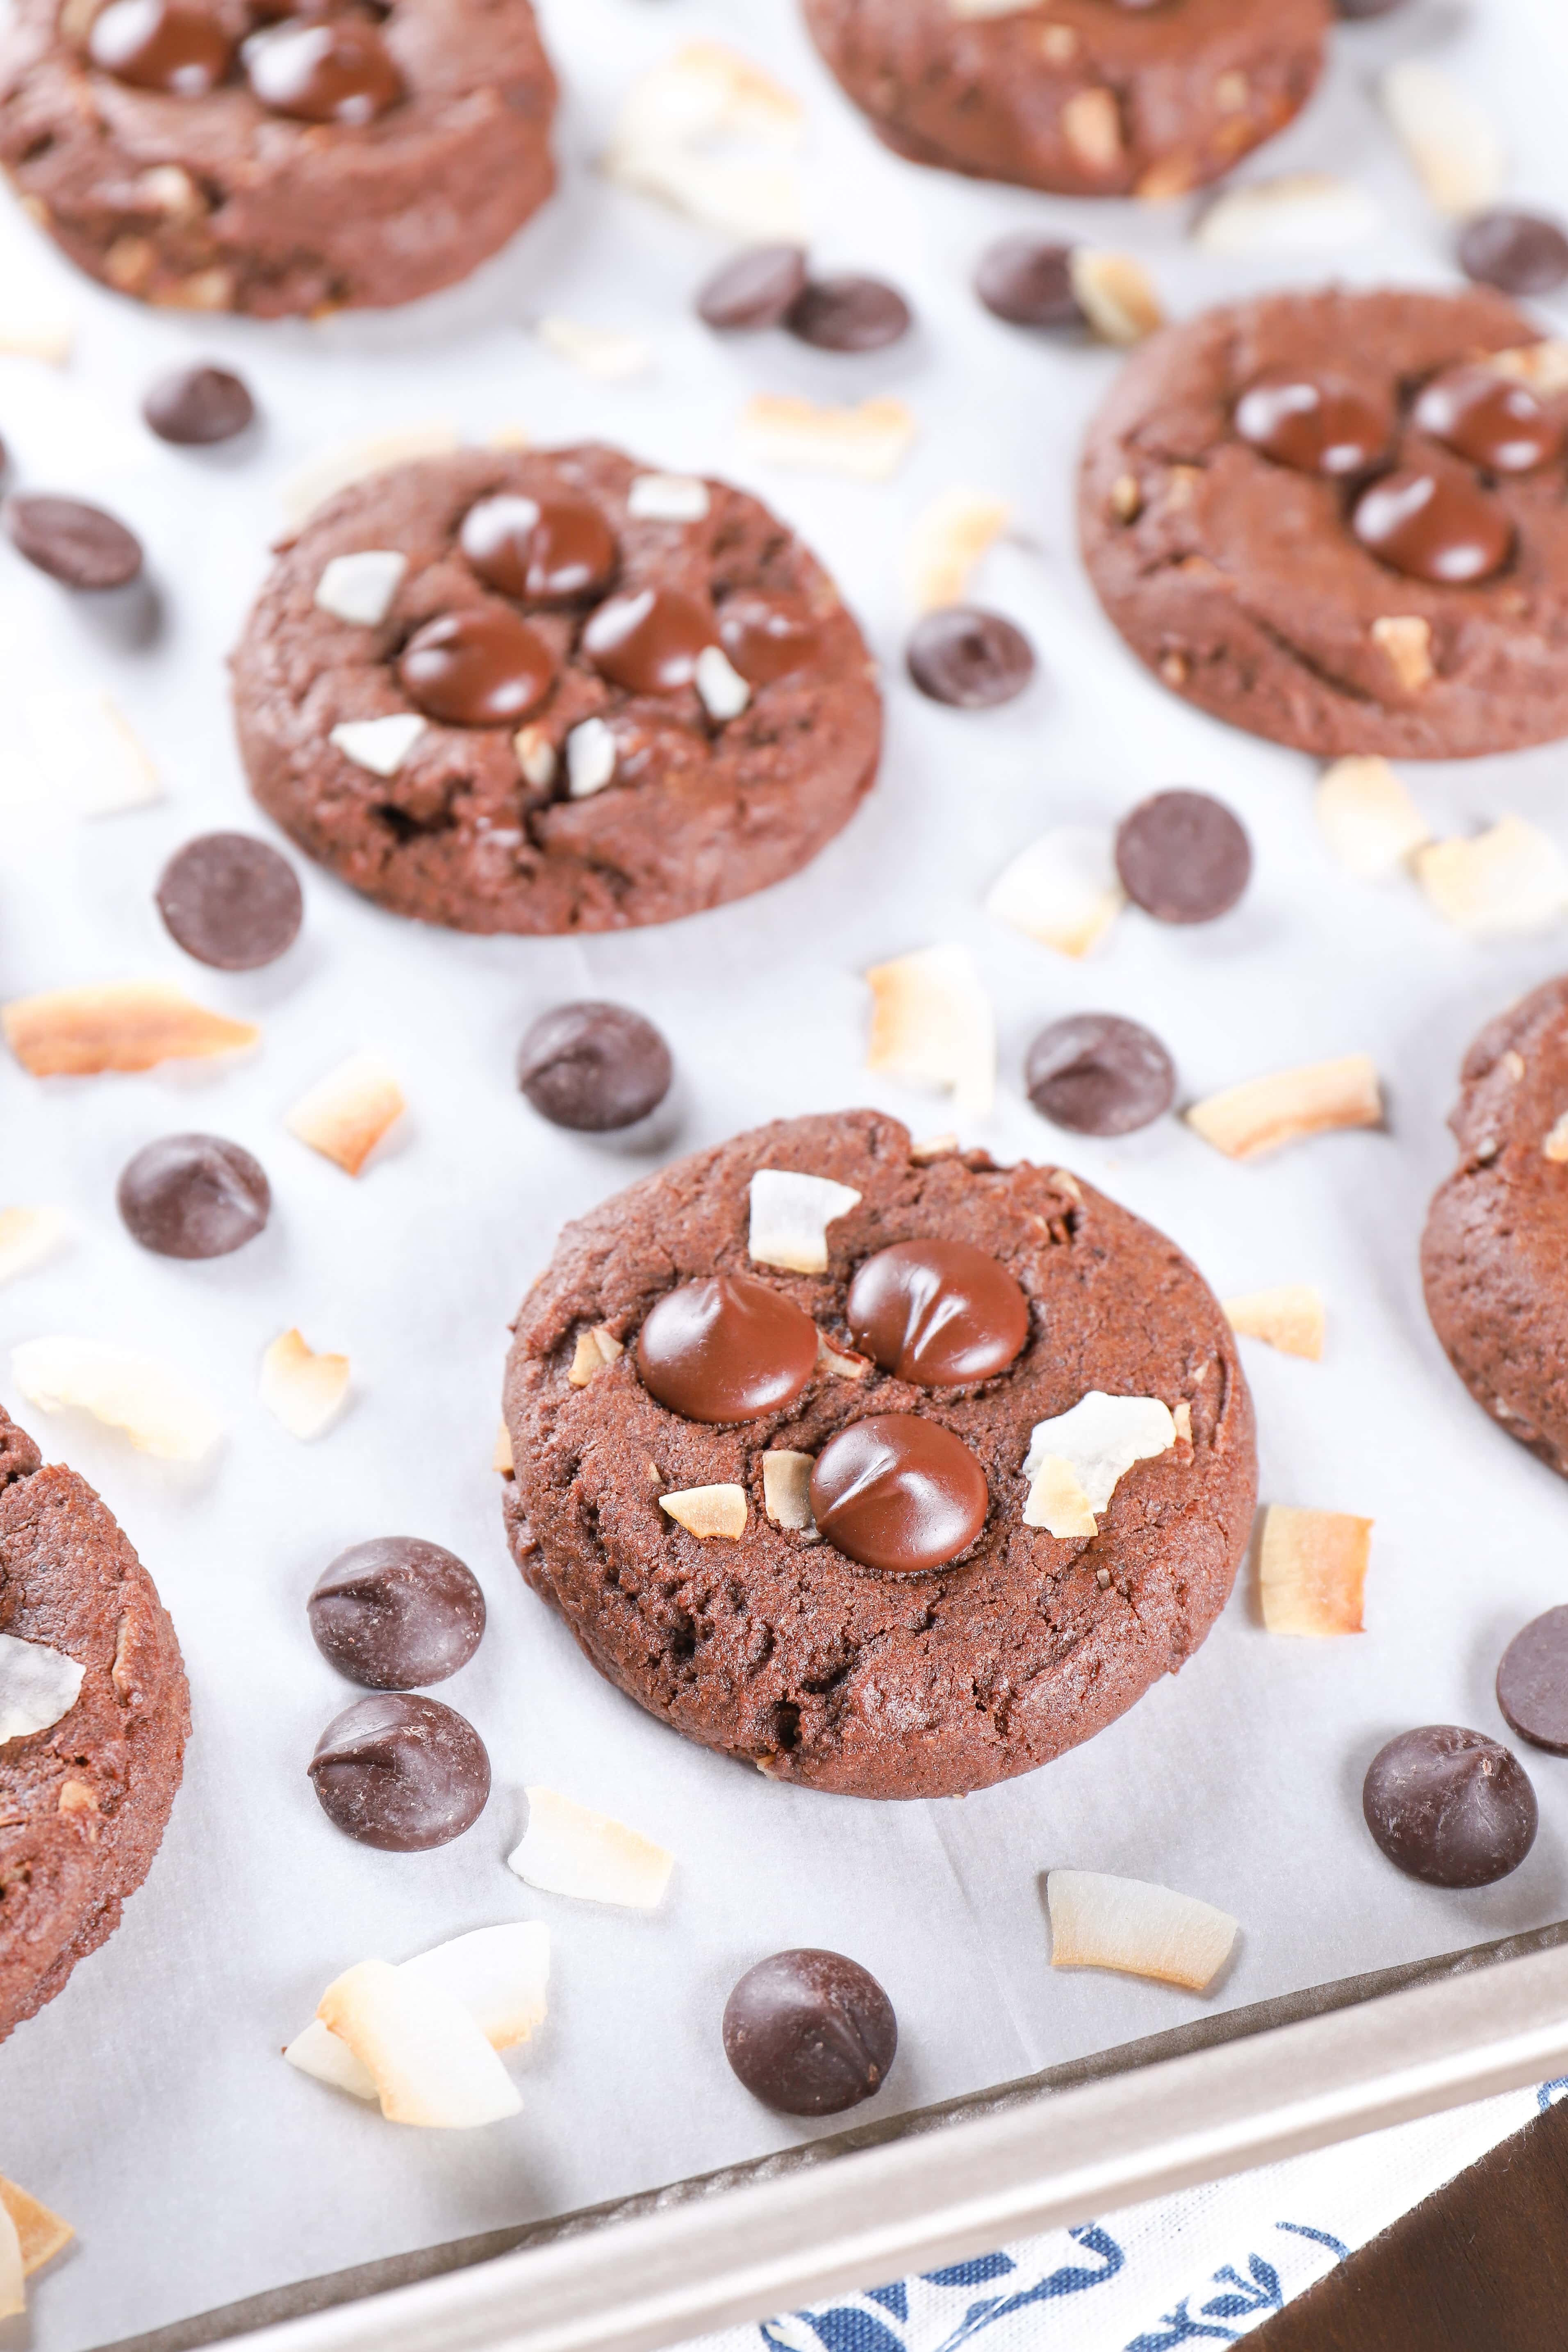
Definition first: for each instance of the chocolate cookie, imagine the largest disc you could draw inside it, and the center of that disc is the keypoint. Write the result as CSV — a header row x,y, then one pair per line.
x,y
1494,1256
1335,519
83,1804
553,691
1092,98
232,155
881,1618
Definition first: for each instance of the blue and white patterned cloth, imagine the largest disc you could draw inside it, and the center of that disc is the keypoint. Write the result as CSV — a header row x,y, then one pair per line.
x,y
1205,2266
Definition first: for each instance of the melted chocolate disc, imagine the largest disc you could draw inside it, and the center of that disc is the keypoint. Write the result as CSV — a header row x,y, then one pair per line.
x,y
557,548
649,642
726,1350
1494,423
161,45
898,1493
937,1313
1317,427
767,638
484,668
342,72
1432,526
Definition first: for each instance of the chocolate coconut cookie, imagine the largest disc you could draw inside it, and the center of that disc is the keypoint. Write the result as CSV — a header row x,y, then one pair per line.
x,y
553,691
88,1656
891,1474
245,155
1092,98
1338,520
1494,1257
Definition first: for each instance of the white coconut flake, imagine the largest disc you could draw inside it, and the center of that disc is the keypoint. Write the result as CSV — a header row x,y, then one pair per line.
x,y
34,327
13,2289
37,1687
932,1024
1302,212
500,1975
1499,884
724,692
1102,1437
431,2064
790,1216
89,761
1370,822
604,353
319,2052
868,441
29,1236
570,1850
1061,890
668,498
682,135
156,1408
302,1390
786,1490
947,541
590,759
1452,144
360,587
707,1512
1101,1922
380,746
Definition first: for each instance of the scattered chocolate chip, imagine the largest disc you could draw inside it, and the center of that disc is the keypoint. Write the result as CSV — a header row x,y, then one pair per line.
x,y
727,1349
810,2034
969,659
193,1196
1533,1682
755,288
1451,1806
1434,526
167,44
937,1313
593,1067
850,314
339,72
1522,253
196,405
1027,280
481,669
1099,1075
401,1772
230,901
898,1493
395,1612
1182,857
1495,424
74,544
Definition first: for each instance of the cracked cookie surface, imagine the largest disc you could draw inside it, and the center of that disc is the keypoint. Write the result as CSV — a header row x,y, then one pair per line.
x,y
83,1805
698,811
1239,581
777,1649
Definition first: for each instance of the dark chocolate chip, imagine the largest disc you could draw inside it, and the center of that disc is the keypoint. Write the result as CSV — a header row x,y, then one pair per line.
x,y
1523,253
1099,1075
650,640
1451,1806
1356,9
1182,857
164,45
401,1772
969,659
727,1349
341,72
193,1196
485,667
755,288
1533,1682
1318,425
810,2034
850,314
1027,280
231,901
74,544
395,1612
1437,526
594,1066
937,1313
898,1493
1483,416
196,405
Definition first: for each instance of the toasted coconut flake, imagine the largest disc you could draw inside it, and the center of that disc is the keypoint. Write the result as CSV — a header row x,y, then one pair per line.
x,y
608,356
305,1392
37,1687
1057,1501
360,588
932,1024
501,1454
319,2052
151,1404
1369,821
1098,1439
946,544
590,759
29,1236
1311,1571
1115,293
536,757
724,692
1556,1144
1245,1121
41,2234
668,498
1452,144
933,1147
1406,639
500,1975
786,1490
670,123
322,476
707,1511
981,11
431,2064
88,759
12,2293
1062,890
1289,1318
870,442
840,1363
1302,212
1544,366
380,746
344,1114
32,326
570,1850
1099,1922
1511,879
1182,1421
1091,124
594,1349
754,203
508,436
790,1216
131,1024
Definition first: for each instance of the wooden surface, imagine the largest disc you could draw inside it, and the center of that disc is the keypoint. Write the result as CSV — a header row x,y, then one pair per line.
x,y
1482,2266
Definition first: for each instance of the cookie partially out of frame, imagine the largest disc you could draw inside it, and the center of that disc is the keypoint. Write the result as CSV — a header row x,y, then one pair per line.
x,y
83,1805
784,1652
1090,97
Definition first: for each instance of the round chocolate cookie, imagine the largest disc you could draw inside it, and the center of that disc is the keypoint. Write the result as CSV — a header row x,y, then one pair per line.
x,y
235,156
1335,519
917,1637
1494,1256
1092,97
84,1803
597,695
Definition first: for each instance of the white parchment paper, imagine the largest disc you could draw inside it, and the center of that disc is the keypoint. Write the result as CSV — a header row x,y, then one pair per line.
x,y
149,2103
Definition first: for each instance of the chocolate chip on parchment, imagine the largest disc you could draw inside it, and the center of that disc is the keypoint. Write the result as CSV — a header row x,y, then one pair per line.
x,y
193,1196
969,659
1520,252
231,901
1182,857
401,1772
755,288
396,1612
1027,280
1099,1075
1451,1806
74,544
810,2033
194,406
850,314
594,1066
